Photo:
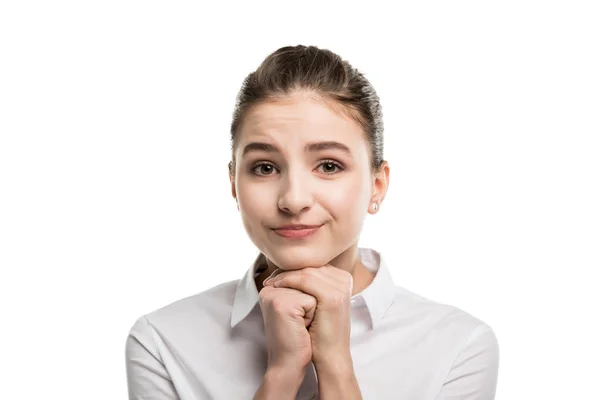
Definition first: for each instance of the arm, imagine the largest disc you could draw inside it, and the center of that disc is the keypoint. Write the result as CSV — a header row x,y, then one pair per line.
x,y
337,380
474,374
147,377
279,384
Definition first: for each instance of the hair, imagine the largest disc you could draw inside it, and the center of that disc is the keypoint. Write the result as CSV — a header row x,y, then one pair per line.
x,y
322,72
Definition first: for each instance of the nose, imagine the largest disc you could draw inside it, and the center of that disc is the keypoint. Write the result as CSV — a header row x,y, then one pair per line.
x,y
296,194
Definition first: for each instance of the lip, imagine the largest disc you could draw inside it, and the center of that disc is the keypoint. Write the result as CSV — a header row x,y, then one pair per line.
x,y
297,231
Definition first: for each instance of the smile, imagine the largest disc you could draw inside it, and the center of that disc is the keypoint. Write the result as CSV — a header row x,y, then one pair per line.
x,y
299,231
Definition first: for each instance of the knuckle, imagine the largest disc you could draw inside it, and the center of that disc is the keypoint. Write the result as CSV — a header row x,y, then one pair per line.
x,y
303,281
278,306
266,294
338,299
349,281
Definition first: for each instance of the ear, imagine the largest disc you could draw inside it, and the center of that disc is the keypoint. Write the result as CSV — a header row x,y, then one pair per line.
x,y
232,181
381,181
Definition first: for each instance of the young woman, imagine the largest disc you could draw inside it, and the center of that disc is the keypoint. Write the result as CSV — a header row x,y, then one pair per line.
x,y
307,166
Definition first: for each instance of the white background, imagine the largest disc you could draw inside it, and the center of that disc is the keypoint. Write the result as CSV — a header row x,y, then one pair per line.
x,y
115,200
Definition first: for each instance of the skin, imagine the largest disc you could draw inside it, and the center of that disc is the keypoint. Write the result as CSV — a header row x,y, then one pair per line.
x,y
287,182
298,190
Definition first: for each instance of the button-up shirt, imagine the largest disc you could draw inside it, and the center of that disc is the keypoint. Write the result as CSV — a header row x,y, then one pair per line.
x,y
403,346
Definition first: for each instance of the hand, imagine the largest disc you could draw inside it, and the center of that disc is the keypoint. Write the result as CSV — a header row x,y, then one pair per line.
x,y
286,314
330,328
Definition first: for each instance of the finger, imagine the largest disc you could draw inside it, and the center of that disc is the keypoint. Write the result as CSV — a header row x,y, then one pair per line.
x,y
340,280
309,304
305,303
276,272
336,276
310,315
312,285
328,274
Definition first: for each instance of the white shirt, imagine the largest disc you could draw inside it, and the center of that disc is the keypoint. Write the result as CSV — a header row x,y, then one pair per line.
x,y
212,346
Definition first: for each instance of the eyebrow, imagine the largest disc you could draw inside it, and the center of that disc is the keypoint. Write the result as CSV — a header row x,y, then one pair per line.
x,y
311,147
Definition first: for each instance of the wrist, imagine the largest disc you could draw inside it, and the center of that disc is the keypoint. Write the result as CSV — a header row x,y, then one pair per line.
x,y
287,373
335,363
280,383
337,378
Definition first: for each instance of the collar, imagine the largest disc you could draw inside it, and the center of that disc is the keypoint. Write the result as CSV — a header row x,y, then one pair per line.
x,y
377,297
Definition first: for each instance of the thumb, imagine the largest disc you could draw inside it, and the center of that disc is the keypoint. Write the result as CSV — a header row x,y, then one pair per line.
x,y
309,305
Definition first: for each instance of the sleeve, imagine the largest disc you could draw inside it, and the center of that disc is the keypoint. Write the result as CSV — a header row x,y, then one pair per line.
x,y
474,374
147,377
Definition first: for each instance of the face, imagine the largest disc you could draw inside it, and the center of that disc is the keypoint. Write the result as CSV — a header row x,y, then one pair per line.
x,y
303,180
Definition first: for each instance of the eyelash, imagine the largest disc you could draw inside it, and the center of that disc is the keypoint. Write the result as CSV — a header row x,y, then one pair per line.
x,y
338,166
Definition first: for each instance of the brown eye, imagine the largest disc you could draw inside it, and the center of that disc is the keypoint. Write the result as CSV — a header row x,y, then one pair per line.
x,y
263,169
330,167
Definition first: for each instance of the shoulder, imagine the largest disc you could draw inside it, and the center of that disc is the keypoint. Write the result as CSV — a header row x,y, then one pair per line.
x,y
449,326
410,304
213,304
466,347
457,342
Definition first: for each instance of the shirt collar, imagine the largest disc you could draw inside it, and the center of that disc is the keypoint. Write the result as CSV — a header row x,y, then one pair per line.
x,y
378,296
246,295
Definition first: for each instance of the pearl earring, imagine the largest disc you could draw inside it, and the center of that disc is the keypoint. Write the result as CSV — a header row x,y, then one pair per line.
x,y
375,206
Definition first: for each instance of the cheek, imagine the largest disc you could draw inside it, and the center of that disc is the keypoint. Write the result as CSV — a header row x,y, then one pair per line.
x,y
255,202
349,200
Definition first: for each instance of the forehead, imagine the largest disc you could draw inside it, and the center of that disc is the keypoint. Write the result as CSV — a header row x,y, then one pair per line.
x,y
301,118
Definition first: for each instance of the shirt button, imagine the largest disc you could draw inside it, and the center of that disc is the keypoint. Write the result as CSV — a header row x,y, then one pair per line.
x,y
312,396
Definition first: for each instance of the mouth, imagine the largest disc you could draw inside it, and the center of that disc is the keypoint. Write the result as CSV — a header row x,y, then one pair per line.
x,y
296,231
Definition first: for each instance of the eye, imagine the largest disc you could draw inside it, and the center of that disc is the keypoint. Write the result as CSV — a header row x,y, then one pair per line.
x,y
330,167
263,169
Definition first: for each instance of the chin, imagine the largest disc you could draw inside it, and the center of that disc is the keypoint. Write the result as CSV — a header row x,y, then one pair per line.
x,y
292,258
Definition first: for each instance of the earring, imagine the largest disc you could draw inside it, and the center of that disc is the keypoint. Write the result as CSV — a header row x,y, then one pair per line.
x,y
375,206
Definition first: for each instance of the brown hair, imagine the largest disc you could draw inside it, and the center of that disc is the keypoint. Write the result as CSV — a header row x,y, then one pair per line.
x,y
322,72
